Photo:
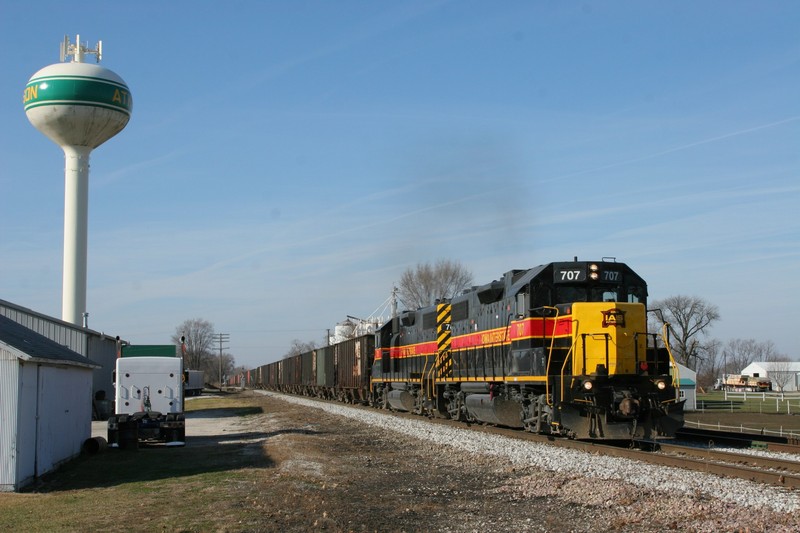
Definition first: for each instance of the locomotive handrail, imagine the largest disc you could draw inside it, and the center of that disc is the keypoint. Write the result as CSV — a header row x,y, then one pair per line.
x,y
430,381
550,351
676,375
566,360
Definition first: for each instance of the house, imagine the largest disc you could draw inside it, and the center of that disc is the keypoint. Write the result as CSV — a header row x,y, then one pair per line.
x,y
45,404
784,375
687,382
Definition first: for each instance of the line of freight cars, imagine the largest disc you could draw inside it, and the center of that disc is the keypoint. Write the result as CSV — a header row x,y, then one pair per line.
x,y
337,372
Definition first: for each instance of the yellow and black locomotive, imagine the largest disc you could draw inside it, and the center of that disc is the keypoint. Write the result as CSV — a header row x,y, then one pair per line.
x,y
562,348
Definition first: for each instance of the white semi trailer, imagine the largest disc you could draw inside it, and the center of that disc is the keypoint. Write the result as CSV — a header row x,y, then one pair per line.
x,y
149,382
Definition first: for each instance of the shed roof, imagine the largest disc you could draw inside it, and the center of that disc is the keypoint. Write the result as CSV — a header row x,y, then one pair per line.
x,y
31,346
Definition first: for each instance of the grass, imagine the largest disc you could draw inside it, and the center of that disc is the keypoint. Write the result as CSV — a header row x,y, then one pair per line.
x,y
755,411
751,402
201,486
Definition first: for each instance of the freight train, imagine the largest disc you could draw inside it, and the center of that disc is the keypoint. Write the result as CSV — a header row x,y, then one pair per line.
x,y
560,349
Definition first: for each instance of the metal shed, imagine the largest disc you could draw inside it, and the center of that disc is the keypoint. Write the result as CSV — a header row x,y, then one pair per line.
x,y
99,347
687,389
45,404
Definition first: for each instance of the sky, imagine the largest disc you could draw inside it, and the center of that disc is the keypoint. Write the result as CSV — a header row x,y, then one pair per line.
x,y
286,161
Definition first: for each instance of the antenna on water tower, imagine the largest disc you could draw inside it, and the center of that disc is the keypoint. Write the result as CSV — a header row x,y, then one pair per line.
x,y
79,106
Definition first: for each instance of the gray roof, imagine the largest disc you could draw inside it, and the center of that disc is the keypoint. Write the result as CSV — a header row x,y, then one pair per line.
x,y
32,346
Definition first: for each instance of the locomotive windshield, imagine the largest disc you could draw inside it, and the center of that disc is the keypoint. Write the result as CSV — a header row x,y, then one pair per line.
x,y
582,293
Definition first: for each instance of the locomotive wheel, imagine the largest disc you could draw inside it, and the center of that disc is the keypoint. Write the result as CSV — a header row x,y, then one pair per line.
x,y
455,407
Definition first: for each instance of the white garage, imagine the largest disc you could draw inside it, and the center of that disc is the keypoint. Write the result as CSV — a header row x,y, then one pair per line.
x,y
45,404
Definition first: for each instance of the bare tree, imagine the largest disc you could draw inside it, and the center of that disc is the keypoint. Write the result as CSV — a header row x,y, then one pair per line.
x,y
688,317
423,285
199,337
710,363
739,353
297,347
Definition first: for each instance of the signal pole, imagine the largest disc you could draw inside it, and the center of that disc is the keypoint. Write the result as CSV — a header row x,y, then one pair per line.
x,y
222,339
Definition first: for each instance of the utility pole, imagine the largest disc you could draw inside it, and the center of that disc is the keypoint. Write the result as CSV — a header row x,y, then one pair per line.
x,y
222,339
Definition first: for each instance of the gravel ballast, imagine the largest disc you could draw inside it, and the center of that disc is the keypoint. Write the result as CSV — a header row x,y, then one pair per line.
x,y
677,498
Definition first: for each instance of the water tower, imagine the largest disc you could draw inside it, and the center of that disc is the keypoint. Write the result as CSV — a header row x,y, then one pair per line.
x,y
78,106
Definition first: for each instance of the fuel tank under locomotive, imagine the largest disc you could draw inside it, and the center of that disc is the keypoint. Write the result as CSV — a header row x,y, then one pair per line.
x,y
483,405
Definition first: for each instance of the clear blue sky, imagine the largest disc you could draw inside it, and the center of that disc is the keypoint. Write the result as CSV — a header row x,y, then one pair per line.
x,y
286,161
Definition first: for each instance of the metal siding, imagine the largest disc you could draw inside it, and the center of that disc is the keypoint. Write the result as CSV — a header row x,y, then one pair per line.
x,y
308,365
26,424
325,367
65,416
353,361
9,390
330,368
297,370
103,351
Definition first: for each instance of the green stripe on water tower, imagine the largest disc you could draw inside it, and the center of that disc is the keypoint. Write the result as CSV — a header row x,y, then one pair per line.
x,y
77,90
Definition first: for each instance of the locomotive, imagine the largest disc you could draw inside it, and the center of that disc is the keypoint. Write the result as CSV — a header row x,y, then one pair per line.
x,y
559,349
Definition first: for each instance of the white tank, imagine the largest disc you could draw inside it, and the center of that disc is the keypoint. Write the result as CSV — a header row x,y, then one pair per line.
x,y
79,106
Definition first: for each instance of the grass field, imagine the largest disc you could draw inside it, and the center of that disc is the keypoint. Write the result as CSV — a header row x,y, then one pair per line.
x,y
757,412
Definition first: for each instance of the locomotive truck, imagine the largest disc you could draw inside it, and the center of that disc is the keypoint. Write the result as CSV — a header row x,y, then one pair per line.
x,y
149,381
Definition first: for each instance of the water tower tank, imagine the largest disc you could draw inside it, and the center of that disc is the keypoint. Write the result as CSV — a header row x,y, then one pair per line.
x,y
78,106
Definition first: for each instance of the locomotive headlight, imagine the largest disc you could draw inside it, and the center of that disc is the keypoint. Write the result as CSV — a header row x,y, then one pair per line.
x,y
588,385
594,271
661,385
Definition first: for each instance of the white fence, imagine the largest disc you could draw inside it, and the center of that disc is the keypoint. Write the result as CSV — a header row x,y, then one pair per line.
x,y
790,433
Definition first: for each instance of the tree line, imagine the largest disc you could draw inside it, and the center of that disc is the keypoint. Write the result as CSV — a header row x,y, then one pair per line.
x,y
689,318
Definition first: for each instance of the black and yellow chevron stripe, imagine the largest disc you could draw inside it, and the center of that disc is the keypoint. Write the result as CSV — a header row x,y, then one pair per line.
x,y
444,361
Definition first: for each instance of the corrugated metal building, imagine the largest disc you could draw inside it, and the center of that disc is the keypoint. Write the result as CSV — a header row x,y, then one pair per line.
x,y
99,347
45,404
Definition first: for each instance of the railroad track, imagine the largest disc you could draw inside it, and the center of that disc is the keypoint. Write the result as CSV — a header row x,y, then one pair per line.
x,y
763,469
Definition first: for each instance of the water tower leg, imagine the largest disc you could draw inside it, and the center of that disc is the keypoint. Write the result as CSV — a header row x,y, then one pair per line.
x,y
76,207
